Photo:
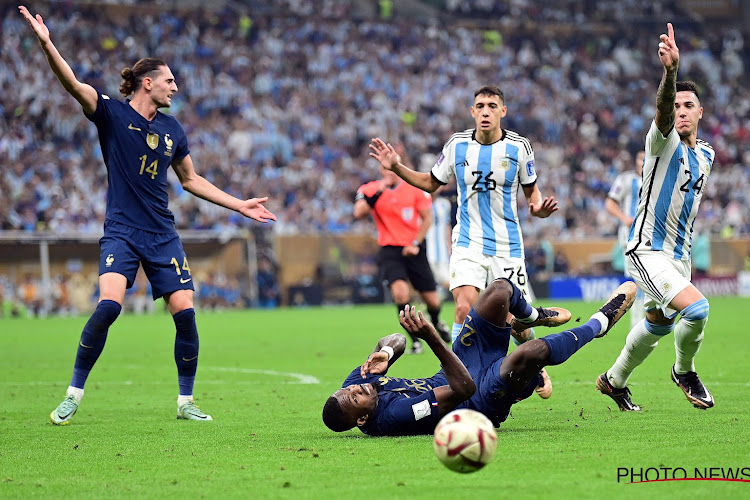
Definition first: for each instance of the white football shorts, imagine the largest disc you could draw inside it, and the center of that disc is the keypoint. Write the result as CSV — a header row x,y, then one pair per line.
x,y
468,267
660,277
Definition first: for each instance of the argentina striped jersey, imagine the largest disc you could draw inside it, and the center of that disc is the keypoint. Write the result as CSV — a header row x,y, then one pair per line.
x,y
487,179
625,191
674,178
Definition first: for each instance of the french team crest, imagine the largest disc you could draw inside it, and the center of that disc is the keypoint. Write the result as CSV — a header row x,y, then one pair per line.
x,y
152,140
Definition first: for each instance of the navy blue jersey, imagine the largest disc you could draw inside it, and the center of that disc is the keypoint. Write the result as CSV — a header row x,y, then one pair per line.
x,y
137,153
482,348
406,406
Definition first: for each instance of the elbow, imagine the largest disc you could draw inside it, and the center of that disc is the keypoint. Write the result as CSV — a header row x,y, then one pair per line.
x,y
468,389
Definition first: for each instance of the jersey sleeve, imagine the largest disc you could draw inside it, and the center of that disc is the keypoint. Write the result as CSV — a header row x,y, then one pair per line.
x,y
355,377
410,416
444,167
100,115
617,191
527,172
656,142
368,189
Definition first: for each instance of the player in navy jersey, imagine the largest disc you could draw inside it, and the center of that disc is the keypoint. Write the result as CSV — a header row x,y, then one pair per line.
x,y
675,173
139,144
478,373
489,164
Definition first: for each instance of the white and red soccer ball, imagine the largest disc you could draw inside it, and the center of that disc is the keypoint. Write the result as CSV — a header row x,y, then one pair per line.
x,y
465,440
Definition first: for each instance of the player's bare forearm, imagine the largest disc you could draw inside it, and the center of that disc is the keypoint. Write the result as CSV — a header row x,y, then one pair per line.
x,y
387,156
669,55
613,208
386,352
539,207
665,97
422,180
83,93
395,341
460,384
426,216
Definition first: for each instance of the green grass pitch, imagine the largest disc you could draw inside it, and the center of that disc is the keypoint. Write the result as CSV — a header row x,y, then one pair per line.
x,y
264,376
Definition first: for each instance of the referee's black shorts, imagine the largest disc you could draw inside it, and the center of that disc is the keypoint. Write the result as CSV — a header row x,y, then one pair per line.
x,y
394,266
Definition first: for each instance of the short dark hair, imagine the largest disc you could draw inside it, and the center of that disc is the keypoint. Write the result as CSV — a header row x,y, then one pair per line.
x,y
132,79
490,90
333,416
688,86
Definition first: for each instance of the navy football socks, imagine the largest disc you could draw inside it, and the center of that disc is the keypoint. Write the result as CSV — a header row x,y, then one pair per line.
x,y
564,344
186,350
93,338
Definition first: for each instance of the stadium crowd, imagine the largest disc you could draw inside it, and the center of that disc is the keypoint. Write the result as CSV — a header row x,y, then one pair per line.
x,y
285,105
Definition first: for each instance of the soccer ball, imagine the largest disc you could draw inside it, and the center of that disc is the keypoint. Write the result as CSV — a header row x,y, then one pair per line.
x,y
465,440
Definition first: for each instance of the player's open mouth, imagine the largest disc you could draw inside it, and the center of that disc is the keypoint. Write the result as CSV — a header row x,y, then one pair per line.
x,y
367,388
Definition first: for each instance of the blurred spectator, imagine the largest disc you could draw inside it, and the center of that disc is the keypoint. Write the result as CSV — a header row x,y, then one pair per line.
x,y
269,293
9,306
307,83
30,296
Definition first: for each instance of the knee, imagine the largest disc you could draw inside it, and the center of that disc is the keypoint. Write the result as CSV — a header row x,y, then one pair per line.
x,y
462,309
697,311
530,356
500,291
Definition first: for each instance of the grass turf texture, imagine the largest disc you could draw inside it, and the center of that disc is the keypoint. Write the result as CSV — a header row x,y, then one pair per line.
x,y
268,441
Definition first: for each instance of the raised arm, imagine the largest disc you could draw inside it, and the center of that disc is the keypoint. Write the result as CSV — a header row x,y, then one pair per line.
x,y
386,352
200,187
460,384
391,160
669,55
85,94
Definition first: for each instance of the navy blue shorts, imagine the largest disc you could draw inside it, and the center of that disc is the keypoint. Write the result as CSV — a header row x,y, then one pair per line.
x,y
482,347
124,248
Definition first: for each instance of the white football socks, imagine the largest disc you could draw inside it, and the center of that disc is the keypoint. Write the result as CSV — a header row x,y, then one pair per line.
x,y
76,392
181,400
638,345
688,336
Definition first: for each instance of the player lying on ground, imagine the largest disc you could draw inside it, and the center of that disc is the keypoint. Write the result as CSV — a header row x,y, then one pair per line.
x,y
477,374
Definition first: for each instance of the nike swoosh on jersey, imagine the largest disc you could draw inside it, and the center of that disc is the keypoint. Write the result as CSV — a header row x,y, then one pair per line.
x,y
183,281
131,127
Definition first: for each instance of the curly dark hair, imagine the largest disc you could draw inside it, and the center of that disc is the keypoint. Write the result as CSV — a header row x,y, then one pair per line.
x,y
132,79
333,416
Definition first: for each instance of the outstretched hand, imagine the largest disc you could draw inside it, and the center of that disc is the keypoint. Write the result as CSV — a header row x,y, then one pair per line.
x,y
545,209
384,153
36,23
669,54
415,323
254,209
377,363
